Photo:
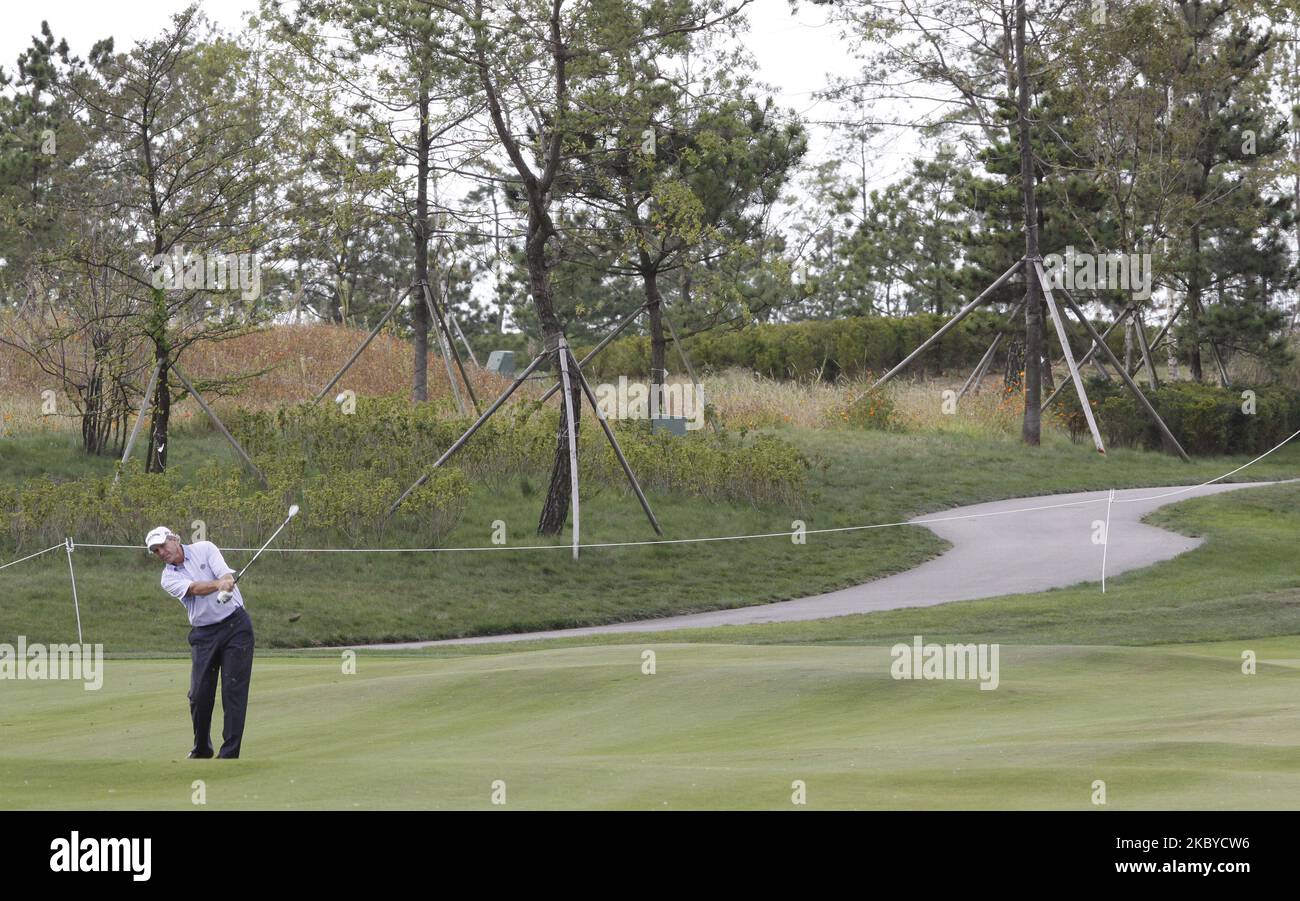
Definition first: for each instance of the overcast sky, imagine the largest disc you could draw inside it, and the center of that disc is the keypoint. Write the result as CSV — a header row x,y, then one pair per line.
x,y
794,52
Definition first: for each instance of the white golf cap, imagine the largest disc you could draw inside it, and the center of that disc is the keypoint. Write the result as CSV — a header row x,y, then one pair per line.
x,y
158,536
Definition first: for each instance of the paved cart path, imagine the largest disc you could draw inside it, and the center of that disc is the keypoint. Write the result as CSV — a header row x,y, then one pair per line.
x,y
1002,550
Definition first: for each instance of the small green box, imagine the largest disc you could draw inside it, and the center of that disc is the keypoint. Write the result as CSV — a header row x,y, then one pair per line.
x,y
673,425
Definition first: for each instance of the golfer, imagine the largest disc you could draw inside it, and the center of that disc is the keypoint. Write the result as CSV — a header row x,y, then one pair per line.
x,y
221,637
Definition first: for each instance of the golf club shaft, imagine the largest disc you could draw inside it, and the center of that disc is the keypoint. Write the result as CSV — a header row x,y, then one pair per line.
x,y
262,548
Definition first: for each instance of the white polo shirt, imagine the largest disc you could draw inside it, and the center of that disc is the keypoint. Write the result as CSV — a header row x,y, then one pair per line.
x,y
203,563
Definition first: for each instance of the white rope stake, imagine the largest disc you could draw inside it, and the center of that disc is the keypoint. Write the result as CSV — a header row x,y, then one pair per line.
x,y
1105,545
68,544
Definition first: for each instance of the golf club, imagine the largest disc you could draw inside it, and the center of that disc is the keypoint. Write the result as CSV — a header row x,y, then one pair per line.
x,y
225,596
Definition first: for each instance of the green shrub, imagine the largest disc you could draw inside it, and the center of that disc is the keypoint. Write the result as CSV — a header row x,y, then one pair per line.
x,y
345,471
390,436
219,504
1206,419
393,439
873,410
723,466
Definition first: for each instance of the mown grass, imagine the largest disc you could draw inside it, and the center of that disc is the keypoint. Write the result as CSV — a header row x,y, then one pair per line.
x,y
715,726
1241,584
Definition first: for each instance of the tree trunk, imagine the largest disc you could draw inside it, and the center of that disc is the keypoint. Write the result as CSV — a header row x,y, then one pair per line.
x,y
1194,307
938,311
160,414
123,408
158,418
1012,376
90,415
556,508
658,343
419,314
1031,428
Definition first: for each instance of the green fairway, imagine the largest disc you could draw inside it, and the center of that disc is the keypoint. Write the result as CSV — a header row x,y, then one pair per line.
x,y
717,726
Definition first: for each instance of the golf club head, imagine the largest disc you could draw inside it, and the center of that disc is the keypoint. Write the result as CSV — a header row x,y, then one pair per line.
x,y
293,511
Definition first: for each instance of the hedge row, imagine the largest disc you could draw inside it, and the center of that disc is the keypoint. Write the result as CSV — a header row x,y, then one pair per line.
x,y
827,349
1206,419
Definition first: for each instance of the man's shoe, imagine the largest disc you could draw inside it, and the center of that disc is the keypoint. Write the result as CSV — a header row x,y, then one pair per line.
x,y
195,755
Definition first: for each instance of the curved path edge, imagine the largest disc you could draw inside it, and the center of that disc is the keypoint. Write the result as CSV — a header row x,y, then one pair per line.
x,y
998,548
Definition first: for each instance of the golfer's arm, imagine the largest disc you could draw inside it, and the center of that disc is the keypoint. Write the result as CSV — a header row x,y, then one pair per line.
x,y
208,587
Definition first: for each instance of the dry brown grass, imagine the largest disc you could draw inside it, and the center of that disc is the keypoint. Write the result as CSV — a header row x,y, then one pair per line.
x,y
293,361
300,359
743,399
1250,371
994,410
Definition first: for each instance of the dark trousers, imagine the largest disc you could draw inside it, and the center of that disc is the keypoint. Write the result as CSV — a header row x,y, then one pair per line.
x,y
227,647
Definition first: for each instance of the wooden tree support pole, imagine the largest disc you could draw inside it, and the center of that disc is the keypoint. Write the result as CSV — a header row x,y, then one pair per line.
x,y
1089,355
618,329
1214,352
449,343
982,367
1218,361
681,352
1141,329
139,418
364,344
469,348
978,372
1160,335
442,350
947,326
1069,354
1132,385
979,379
460,442
221,426
618,451
562,351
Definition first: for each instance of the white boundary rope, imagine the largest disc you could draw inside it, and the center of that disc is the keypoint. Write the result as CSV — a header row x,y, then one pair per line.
x,y
707,539
1134,500
31,556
